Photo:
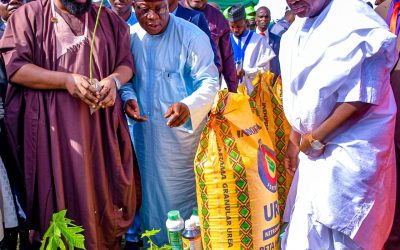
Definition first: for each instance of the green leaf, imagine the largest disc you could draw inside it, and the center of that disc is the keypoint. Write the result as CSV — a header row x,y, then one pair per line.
x,y
61,231
54,243
166,247
49,244
149,233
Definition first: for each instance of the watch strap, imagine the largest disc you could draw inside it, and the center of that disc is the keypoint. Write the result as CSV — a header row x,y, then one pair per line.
x,y
117,82
315,144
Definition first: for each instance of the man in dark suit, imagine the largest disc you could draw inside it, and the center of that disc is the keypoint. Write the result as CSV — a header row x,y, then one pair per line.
x,y
263,19
195,17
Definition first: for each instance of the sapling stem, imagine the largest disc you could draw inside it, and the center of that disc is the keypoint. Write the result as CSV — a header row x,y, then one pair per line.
x,y
92,44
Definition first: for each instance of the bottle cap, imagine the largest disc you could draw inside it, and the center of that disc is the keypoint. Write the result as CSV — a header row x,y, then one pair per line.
x,y
190,224
174,215
195,211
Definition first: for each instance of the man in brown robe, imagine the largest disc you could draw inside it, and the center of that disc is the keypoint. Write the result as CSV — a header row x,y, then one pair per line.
x,y
220,33
71,159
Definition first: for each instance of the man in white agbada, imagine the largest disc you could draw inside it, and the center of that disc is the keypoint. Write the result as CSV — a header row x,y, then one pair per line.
x,y
336,65
172,92
251,52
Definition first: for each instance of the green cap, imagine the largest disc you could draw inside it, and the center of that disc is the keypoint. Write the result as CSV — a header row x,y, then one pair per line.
x,y
225,13
250,10
195,211
174,215
250,13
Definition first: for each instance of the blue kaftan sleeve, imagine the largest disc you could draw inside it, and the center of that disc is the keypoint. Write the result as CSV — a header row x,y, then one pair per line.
x,y
127,92
204,75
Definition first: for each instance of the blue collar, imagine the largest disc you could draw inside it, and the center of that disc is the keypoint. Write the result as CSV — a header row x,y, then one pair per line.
x,y
132,19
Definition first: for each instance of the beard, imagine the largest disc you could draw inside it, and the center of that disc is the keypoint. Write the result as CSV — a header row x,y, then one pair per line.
x,y
75,8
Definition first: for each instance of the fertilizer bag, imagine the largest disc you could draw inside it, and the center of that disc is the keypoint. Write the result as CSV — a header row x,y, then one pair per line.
x,y
236,178
266,102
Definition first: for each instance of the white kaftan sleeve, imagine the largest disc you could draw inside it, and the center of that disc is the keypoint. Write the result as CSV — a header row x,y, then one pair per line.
x,y
264,54
366,76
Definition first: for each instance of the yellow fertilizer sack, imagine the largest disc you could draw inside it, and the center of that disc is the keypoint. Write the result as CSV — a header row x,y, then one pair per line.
x,y
236,178
266,102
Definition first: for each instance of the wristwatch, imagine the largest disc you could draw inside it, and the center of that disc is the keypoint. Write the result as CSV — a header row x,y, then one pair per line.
x,y
117,82
315,144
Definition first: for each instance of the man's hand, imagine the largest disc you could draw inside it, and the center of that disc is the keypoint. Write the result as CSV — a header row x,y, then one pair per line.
x,y
108,92
292,157
179,114
133,111
305,147
377,2
79,86
240,73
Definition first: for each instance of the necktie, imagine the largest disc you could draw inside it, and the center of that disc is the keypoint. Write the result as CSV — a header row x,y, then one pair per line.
x,y
394,18
262,33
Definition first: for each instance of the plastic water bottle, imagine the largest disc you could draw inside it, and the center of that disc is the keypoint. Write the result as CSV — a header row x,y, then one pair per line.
x,y
175,227
195,217
192,235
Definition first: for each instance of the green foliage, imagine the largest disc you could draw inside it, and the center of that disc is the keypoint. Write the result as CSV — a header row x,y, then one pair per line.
x,y
62,231
147,234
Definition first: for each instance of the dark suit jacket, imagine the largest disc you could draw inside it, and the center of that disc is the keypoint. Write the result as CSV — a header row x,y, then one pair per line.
x,y
198,19
274,42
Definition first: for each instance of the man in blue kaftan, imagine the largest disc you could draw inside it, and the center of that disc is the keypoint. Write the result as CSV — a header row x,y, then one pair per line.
x,y
175,84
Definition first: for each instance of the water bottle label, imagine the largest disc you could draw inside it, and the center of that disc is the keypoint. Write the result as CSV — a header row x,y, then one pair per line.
x,y
175,240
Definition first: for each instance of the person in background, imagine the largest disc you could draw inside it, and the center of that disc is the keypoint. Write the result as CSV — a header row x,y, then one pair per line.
x,y
7,8
198,19
124,9
220,31
283,24
10,177
71,159
251,51
251,17
215,5
389,11
8,213
169,97
263,20
336,90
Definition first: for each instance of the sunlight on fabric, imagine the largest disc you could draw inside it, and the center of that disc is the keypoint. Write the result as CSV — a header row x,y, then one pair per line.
x,y
76,146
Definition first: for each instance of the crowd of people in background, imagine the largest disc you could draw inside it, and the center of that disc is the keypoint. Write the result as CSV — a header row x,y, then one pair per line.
x,y
111,136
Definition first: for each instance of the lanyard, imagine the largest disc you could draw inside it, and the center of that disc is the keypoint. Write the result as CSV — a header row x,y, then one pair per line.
x,y
238,51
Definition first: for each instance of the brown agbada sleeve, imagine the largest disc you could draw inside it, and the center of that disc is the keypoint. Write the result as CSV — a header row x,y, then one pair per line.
x,y
21,39
18,41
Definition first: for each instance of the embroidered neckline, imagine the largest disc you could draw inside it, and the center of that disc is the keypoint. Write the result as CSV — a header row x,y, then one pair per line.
x,y
66,40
